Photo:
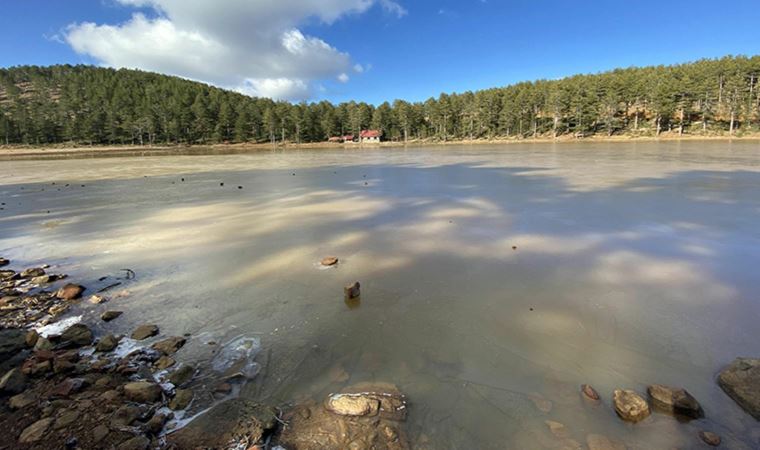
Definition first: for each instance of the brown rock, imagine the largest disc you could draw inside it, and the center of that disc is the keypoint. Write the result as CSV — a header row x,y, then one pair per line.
x,y
70,292
352,405
4,262
68,386
181,400
136,443
674,400
97,299
144,332
589,393
99,433
33,272
110,315
31,338
710,438
13,382
107,343
77,334
741,381
35,431
142,391
21,401
165,362
329,261
630,406
352,291
170,345
66,418
156,423
125,416
182,375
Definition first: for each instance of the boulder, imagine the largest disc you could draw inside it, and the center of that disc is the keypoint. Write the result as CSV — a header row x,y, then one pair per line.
x,y
144,332
70,292
107,343
741,381
170,345
710,438
77,334
630,406
142,391
329,261
35,431
13,382
110,315
352,290
181,400
675,401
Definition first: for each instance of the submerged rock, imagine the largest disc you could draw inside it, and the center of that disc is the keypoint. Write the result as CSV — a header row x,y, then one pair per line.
x,y
144,332
352,290
589,393
675,401
600,442
630,406
70,292
741,381
224,424
710,438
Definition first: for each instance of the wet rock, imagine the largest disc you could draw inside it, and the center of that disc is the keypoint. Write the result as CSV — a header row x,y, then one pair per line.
x,y
542,404
165,362
181,400
12,341
182,375
675,401
110,315
142,391
69,386
352,291
43,344
35,431
557,429
21,401
125,416
97,299
44,279
66,418
329,261
630,406
33,272
136,443
369,399
589,393
107,343
4,262
156,423
230,420
99,433
70,292
31,338
78,335
352,405
170,345
710,438
223,389
741,381
600,442
144,332
13,382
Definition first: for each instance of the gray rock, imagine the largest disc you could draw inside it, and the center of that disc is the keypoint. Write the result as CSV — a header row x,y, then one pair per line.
x,y
99,433
142,391
35,431
630,406
182,375
741,381
674,400
107,343
710,438
144,332
181,400
78,334
12,341
13,382
110,315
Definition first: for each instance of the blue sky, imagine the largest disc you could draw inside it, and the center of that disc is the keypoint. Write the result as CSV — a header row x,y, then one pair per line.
x,y
373,50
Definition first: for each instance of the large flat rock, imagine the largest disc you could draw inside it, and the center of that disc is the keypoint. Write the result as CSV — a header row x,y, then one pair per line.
x,y
741,381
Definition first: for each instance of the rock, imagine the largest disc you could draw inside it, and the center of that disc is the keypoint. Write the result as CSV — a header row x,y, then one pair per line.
x,y
352,291
97,299
31,338
13,382
557,429
77,334
182,375
142,391
21,401
329,261
223,389
165,362
352,405
4,262
170,345
630,406
599,442
99,433
710,438
181,400
368,400
107,343
43,344
69,386
70,292
589,393
157,422
35,431
674,400
125,416
33,272
44,279
12,341
136,443
144,332
110,315
741,381
541,403
227,421
66,418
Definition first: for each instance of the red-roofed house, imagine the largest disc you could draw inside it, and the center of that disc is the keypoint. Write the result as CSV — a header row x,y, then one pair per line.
x,y
371,136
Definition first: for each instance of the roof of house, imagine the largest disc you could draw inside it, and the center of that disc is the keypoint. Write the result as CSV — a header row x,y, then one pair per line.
x,y
371,133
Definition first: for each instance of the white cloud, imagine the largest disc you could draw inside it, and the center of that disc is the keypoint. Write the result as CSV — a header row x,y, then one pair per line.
x,y
343,78
253,46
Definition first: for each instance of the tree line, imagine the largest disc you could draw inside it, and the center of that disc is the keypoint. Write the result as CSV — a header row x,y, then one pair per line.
x,y
96,106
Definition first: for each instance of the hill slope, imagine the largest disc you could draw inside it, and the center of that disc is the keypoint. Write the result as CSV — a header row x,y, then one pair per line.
x,y
91,105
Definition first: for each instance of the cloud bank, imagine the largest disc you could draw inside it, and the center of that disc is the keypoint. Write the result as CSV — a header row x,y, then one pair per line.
x,y
253,46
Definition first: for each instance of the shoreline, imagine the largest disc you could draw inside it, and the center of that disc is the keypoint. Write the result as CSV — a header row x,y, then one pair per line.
x,y
17,152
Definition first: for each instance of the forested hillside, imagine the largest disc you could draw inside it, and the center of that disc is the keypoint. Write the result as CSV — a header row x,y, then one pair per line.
x,y
89,105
